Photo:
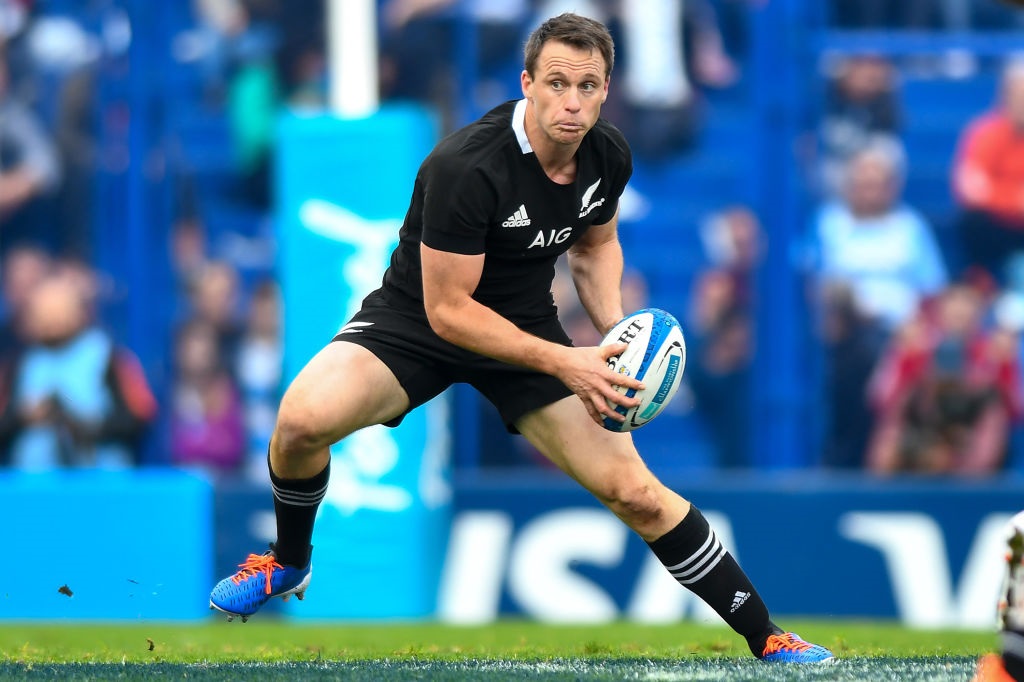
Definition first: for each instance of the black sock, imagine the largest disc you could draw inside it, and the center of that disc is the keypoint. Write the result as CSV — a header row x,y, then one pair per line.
x,y
1013,653
295,504
694,556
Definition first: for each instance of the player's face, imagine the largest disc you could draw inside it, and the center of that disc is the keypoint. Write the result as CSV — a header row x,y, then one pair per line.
x,y
567,90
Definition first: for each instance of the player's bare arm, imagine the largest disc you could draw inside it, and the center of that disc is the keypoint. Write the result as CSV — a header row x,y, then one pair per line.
x,y
595,262
449,280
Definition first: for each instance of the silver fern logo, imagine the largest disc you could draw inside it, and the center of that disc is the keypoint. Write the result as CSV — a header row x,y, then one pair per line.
x,y
587,196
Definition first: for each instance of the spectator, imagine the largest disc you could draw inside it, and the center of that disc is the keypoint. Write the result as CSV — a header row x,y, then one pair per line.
x,y
86,280
29,169
852,343
711,63
420,41
64,49
188,249
416,48
73,396
24,266
861,104
988,179
720,350
207,423
733,243
670,52
877,261
260,369
264,77
659,101
74,133
946,391
228,34
501,26
880,247
15,22
721,331
256,57
215,299
735,25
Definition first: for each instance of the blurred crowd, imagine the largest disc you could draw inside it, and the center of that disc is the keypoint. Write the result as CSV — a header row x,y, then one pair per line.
x,y
917,317
920,315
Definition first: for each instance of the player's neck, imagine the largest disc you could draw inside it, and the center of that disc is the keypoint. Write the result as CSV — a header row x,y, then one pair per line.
x,y
559,169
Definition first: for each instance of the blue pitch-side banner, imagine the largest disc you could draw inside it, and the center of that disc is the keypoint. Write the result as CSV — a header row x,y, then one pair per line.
x,y
343,189
926,553
95,545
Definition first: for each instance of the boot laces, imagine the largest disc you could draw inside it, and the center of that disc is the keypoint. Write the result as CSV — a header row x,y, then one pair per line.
x,y
787,641
254,565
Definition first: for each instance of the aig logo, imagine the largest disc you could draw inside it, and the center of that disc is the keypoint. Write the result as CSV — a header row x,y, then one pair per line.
x,y
550,237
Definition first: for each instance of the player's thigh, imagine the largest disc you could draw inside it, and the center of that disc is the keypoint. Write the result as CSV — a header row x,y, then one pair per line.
x,y
342,389
605,463
594,456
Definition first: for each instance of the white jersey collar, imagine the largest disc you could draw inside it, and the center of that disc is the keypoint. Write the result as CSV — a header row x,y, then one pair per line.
x,y
519,126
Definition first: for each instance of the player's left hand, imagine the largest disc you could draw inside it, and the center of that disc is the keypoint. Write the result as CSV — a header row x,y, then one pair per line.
x,y
585,371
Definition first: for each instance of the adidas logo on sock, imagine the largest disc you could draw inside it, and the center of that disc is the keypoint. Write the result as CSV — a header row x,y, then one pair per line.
x,y
517,219
739,600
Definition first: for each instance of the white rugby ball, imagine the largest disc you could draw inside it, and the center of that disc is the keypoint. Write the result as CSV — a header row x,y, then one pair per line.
x,y
656,355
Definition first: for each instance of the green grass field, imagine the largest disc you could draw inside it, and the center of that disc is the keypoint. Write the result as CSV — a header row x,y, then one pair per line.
x,y
274,650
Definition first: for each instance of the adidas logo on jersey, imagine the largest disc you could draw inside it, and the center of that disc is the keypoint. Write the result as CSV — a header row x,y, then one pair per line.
x,y
517,219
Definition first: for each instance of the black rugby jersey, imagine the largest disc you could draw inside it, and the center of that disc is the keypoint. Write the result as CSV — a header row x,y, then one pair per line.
x,y
482,190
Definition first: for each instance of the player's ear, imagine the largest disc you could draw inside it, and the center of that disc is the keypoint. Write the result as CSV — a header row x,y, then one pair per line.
x,y
526,82
604,93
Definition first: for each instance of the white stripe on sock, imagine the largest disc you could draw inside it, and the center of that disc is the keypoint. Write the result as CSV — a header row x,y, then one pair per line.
x,y
300,499
690,581
693,557
693,568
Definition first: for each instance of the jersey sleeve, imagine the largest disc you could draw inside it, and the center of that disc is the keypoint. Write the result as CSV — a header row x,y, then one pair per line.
x,y
625,164
457,205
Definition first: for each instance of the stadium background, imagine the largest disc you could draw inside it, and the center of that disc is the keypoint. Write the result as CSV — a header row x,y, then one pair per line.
x,y
448,517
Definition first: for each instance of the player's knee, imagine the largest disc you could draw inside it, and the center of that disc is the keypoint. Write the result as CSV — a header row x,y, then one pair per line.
x,y
637,503
298,431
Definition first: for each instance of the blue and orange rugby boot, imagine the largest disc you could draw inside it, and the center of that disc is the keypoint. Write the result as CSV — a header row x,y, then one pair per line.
x,y
258,580
787,647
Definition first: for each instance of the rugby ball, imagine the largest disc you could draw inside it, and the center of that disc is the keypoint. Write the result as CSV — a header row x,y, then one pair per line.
x,y
656,355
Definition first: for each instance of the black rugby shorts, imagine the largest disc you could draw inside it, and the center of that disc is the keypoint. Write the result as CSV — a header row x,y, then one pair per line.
x,y
425,364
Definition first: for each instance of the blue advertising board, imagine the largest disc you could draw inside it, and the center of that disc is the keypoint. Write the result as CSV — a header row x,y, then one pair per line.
x,y
928,553
106,545
343,189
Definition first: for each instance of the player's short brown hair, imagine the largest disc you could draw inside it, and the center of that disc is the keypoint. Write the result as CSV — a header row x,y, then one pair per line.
x,y
572,29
